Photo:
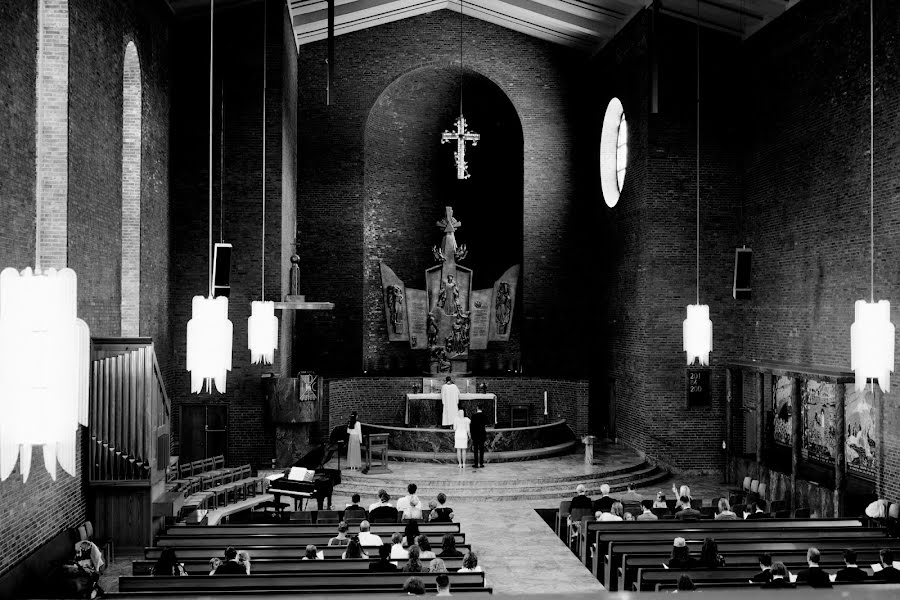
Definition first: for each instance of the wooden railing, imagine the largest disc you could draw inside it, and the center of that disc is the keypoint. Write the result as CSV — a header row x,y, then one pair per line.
x,y
129,411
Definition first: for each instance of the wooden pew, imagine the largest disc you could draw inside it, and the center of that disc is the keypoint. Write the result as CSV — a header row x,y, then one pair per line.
x,y
868,588
589,526
648,578
290,582
301,528
204,553
221,541
288,565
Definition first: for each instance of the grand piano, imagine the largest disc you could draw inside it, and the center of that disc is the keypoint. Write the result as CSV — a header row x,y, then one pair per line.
x,y
308,477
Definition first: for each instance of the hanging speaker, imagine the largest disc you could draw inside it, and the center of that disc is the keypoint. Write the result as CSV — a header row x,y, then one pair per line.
x,y
743,258
222,270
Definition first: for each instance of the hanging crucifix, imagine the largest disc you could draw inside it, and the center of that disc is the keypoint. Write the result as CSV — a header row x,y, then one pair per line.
x,y
460,136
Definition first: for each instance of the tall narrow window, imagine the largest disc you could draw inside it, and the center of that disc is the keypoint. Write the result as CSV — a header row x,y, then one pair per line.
x,y
131,192
52,132
613,152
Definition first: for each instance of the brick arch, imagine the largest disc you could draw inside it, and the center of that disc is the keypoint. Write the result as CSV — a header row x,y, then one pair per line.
x,y
409,176
131,190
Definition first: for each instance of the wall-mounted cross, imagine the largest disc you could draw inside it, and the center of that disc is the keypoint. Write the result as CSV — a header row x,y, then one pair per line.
x,y
460,136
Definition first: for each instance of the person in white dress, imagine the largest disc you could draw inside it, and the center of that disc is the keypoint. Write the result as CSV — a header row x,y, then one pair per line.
x,y
354,431
450,401
461,437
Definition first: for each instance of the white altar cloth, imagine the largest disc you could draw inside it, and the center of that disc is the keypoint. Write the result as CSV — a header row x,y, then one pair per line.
x,y
462,396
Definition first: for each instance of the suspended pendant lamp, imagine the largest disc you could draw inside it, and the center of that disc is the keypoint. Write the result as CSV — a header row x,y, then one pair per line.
x,y
209,332
698,327
262,326
872,333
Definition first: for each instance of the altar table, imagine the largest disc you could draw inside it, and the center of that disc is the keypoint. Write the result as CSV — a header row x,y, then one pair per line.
x,y
462,396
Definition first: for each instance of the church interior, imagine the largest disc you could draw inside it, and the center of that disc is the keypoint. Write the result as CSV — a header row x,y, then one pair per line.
x,y
259,256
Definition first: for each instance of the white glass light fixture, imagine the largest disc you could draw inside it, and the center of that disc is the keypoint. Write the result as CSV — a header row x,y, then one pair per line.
x,y
262,325
698,326
44,367
872,333
613,152
209,332
209,335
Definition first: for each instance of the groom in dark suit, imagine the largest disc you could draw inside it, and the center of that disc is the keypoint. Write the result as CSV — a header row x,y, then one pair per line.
x,y
477,430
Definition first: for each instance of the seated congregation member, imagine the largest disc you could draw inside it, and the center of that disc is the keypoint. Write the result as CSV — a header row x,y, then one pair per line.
x,y
231,566
724,512
383,564
628,516
384,499
682,491
448,547
354,502
366,537
403,503
413,512
684,512
312,553
604,502
413,564
443,513
647,514
681,556
889,572
765,569
443,585
613,514
243,558
425,546
581,499
414,587
660,501
780,578
709,555
437,565
685,584
814,575
354,549
354,510
630,495
341,538
82,574
757,510
167,565
397,550
383,514
850,572
411,533
470,563
214,563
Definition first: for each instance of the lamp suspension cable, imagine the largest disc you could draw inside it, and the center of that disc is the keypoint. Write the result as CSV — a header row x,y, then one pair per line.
x,y
460,57
221,159
872,150
210,246
262,286
698,154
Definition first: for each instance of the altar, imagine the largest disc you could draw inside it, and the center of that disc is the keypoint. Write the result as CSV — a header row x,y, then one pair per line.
x,y
427,408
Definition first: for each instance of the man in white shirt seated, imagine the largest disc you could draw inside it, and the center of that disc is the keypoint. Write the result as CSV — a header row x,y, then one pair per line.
x,y
367,538
397,550
383,500
403,503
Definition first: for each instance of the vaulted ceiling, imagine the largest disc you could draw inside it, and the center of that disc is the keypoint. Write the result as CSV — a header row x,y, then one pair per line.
x,y
584,24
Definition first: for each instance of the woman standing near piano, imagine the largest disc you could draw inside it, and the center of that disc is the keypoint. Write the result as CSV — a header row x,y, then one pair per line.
x,y
354,431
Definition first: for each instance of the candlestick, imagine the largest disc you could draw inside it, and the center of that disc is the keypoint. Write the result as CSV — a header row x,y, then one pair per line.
x,y
545,402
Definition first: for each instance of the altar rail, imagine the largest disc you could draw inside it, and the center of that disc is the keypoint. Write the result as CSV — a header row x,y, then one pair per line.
x,y
382,400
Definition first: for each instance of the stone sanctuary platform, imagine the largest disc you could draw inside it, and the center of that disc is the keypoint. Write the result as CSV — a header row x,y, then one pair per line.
x,y
511,444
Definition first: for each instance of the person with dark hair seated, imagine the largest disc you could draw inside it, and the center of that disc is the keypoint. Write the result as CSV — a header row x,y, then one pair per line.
x,y
814,575
425,546
414,587
354,510
354,502
231,566
685,584
167,564
411,533
383,564
686,512
354,549
403,503
443,585
442,514
888,572
383,500
709,555
448,547
341,538
765,569
681,556
757,510
779,578
647,514
413,564
850,572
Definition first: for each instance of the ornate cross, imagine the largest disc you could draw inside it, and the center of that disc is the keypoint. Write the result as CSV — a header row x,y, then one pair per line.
x,y
461,136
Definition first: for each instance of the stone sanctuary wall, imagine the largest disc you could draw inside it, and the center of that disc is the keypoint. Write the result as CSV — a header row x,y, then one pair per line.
x,y
340,239
648,239
806,203
239,45
33,512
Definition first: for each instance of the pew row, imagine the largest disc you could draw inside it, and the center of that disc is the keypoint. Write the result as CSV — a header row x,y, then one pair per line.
x,y
260,566
198,553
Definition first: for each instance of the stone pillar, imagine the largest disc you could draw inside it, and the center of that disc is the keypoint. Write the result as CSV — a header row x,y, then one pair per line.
x,y
760,419
840,458
796,439
729,400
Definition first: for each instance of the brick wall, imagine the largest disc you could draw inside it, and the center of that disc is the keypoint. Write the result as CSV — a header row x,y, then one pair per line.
x,y
131,191
649,236
540,80
806,206
381,400
239,60
33,512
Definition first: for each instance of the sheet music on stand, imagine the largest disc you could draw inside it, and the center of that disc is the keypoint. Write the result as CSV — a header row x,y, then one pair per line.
x,y
301,474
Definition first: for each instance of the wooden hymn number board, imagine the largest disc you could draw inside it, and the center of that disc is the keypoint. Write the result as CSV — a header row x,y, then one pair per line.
x,y
697,387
